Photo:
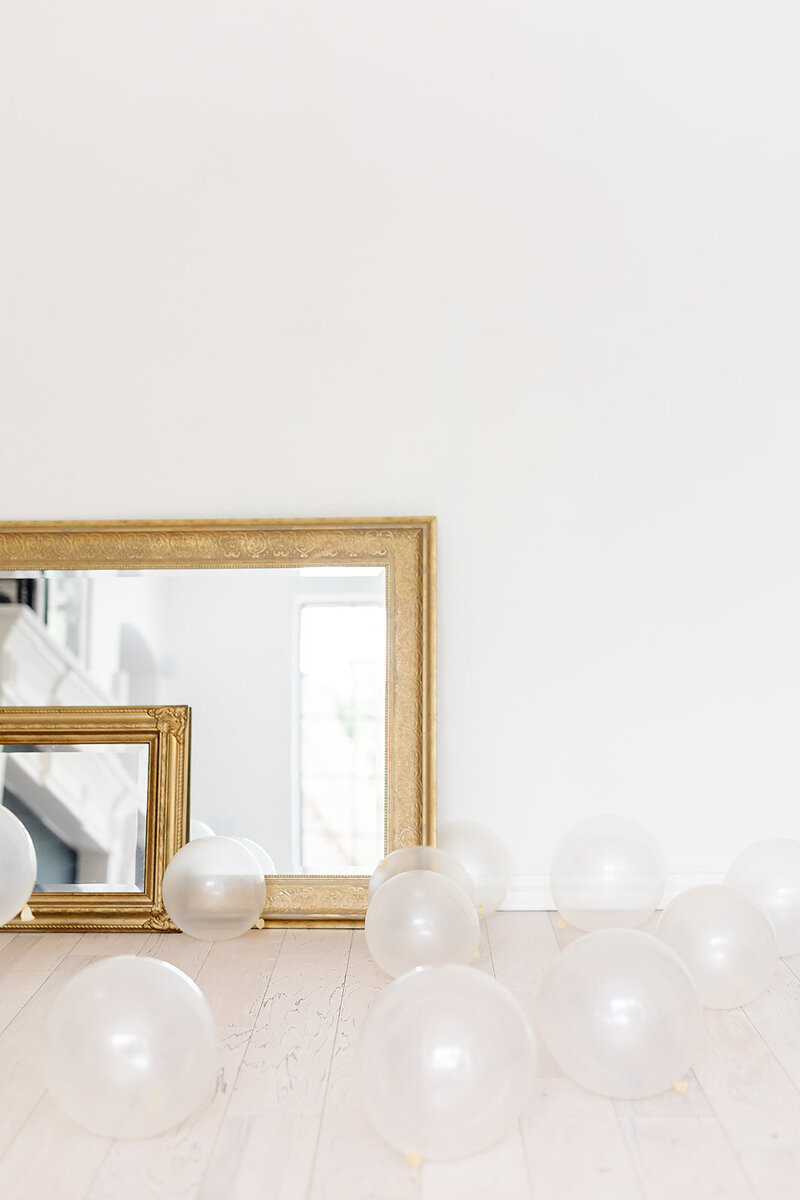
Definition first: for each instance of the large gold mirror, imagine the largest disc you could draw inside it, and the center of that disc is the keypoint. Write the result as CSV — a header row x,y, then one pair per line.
x,y
305,649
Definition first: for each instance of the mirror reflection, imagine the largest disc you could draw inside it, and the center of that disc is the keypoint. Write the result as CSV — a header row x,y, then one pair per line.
x,y
285,672
85,808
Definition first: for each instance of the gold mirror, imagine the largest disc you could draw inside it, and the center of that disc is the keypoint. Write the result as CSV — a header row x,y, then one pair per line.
x,y
305,650
102,792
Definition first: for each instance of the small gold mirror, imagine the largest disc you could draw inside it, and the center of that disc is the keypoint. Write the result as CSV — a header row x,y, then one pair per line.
x,y
102,792
306,650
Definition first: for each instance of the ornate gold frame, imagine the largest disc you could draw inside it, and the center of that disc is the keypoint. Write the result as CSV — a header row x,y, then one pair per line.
x,y
406,546
166,731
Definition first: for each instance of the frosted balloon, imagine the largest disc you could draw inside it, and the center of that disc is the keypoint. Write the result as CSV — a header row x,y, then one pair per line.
x,y
726,942
419,919
446,1062
199,829
265,863
620,1014
484,857
769,874
17,866
421,858
214,889
607,871
130,1048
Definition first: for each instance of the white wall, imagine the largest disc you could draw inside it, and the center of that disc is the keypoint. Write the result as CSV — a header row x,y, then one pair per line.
x,y
530,267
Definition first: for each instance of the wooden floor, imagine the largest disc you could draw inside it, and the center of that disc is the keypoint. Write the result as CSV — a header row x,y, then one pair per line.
x,y
286,1123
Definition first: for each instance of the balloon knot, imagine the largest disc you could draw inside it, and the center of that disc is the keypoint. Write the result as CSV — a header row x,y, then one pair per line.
x,y
27,914
414,1160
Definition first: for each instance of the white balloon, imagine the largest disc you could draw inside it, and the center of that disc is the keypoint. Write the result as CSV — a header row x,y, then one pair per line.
x,y
17,866
199,829
726,942
769,874
130,1047
446,1061
265,863
484,857
214,889
421,858
620,1014
607,871
419,919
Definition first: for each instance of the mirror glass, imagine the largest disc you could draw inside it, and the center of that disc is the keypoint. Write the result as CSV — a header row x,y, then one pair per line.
x,y
85,808
285,670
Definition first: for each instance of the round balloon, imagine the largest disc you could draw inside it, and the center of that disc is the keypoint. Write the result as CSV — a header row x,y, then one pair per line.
x,y
769,874
421,858
620,1014
421,919
17,866
265,863
214,889
607,871
726,942
446,1061
484,857
130,1048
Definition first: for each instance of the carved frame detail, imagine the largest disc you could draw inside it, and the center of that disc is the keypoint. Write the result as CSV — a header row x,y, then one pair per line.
x,y
166,731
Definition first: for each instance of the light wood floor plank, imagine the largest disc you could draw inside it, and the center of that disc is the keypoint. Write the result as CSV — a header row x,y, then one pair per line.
x,y
52,1157
184,952
351,1158
270,1131
676,1157
233,977
38,952
755,1102
575,1147
774,1014
21,1078
478,1176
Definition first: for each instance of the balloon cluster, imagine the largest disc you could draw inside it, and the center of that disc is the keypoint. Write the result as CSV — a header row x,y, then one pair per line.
x,y
447,1056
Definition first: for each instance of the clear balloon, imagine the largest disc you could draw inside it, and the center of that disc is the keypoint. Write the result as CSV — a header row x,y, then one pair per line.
x,y
17,866
130,1048
199,829
421,858
420,919
214,889
484,857
446,1061
265,863
768,873
620,1014
726,942
607,871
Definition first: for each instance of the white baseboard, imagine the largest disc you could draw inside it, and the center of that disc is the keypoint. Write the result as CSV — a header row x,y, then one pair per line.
x,y
531,893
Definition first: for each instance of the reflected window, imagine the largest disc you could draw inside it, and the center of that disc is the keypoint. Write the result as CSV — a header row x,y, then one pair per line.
x,y
340,785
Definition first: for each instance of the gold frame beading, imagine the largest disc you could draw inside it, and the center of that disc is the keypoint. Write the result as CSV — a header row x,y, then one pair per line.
x,y
165,730
405,546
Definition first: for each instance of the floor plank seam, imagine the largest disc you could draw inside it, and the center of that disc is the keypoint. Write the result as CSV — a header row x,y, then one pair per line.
x,y
334,1041
235,1080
